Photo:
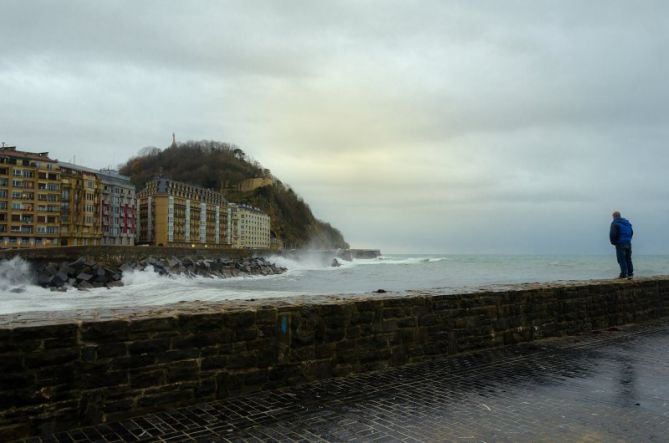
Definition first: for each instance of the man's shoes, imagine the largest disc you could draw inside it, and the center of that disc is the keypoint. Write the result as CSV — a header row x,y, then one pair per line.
x,y
620,277
630,277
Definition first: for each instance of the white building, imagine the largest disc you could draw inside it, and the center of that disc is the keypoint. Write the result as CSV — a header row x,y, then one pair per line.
x,y
119,209
247,227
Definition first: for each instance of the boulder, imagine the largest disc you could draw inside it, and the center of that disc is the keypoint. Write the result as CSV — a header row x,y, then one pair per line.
x,y
84,286
84,276
67,269
345,254
78,264
43,279
58,280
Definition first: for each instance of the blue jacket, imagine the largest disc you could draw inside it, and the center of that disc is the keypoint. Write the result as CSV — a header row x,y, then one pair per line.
x,y
621,232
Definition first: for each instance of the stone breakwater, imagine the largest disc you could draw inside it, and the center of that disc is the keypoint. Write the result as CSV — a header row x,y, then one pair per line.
x,y
86,273
67,369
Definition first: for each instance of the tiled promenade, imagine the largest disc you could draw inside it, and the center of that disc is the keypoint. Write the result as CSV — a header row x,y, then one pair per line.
x,y
610,387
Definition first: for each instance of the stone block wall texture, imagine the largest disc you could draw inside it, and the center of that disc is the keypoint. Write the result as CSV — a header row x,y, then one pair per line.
x,y
85,368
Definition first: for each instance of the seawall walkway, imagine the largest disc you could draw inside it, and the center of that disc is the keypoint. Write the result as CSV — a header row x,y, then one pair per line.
x,y
611,385
60,371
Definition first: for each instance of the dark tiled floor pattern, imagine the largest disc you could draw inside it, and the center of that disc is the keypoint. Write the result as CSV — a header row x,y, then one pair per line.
x,y
612,386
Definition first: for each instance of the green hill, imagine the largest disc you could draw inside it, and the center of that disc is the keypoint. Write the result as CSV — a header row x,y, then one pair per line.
x,y
221,167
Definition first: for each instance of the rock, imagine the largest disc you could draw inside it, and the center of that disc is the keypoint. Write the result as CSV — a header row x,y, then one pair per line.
x,y
345,254
43,279
58,280
84,286
78,264
380,291
67,269
85,273
187,261
84,276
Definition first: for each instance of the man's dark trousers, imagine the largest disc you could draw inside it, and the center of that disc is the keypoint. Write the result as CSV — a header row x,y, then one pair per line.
x,y
624,256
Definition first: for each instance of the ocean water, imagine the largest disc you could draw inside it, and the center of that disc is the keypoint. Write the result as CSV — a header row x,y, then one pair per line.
x,y
310,275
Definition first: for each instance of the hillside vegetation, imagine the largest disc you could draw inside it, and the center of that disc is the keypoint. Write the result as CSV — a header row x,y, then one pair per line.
x,y
221,167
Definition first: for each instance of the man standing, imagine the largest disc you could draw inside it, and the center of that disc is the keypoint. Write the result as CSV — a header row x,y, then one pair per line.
x,y
621,237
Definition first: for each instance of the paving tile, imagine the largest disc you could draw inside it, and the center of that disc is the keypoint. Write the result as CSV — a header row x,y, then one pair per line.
x,y
608,386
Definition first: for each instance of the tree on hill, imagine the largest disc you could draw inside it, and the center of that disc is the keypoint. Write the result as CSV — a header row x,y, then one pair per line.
x,y
221,167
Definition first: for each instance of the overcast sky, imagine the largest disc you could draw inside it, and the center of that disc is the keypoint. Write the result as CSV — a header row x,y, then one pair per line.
x,y
433,126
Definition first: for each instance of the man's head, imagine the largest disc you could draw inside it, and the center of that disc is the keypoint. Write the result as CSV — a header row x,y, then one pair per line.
x,y
616,214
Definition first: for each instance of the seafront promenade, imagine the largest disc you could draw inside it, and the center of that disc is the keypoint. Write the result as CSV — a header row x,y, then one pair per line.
x,y
505,361
610,385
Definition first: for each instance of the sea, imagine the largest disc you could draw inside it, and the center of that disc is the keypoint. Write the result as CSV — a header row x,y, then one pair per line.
x,y
310,275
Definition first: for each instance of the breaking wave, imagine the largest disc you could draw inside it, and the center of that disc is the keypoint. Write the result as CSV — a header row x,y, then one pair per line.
x,y
15,275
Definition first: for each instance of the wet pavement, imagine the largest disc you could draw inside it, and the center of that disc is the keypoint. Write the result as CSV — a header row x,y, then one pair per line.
x,y
610,386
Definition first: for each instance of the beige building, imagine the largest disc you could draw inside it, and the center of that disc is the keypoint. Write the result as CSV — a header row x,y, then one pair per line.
x,y
177,214
248,227
81,206
29,199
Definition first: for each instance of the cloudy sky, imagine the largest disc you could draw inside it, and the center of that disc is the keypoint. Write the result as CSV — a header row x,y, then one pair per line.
x,y
433,126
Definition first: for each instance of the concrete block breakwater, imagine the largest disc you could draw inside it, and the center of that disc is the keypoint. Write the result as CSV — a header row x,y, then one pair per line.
x,y
60,370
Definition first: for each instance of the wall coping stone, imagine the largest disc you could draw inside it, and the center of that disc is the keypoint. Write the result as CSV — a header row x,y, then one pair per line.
x,y
195,307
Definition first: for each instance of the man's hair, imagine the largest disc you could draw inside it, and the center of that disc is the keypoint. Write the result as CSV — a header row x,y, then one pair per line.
x,y
616,214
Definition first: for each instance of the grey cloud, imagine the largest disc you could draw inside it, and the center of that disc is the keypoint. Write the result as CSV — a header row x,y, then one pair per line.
x,y
443,116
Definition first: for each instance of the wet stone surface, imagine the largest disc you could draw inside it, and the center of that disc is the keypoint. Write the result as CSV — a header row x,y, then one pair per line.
x,y
609,386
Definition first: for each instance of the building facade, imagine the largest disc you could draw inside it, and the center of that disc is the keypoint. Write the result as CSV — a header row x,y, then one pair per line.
x,y
29,199
119,209
81,206
177,214
248,227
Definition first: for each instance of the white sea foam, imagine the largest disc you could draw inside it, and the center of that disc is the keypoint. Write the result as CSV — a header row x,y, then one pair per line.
x,y
313,275
15,275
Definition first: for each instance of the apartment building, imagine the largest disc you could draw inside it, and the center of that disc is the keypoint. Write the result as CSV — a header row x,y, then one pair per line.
x,y
81,206
119,209
29,199
248,227
177,214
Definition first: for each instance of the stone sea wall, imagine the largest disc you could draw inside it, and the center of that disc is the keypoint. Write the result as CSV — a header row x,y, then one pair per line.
x,y
117,255
59,370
